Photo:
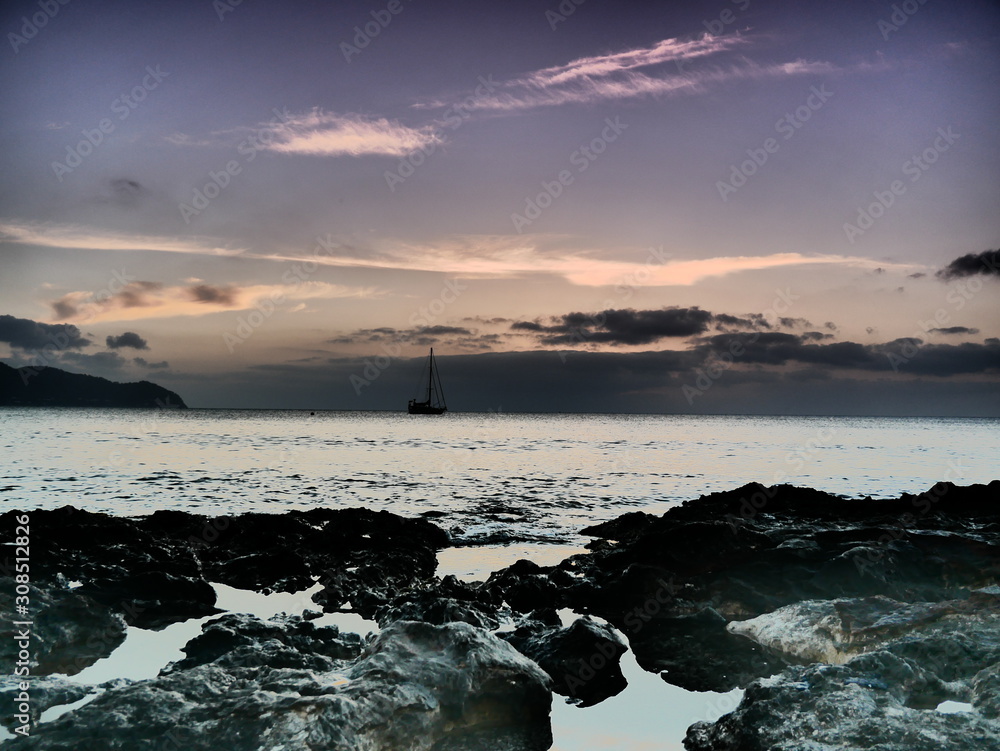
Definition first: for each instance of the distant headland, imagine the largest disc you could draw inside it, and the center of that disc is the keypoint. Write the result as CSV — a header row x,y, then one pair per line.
x,y
52,387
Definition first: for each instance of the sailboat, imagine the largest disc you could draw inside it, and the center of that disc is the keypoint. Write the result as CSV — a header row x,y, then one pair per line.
x,y
433,404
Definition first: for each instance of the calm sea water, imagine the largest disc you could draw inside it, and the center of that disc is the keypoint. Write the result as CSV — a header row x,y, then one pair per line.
x,y
496,477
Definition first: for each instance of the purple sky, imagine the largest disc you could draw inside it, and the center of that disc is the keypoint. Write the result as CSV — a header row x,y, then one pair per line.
x,y
732,206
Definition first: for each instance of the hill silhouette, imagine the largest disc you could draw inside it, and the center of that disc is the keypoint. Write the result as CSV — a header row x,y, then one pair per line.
x,y
52,387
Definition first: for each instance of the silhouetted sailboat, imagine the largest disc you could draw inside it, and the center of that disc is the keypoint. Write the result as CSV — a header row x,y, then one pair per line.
x,y
433,404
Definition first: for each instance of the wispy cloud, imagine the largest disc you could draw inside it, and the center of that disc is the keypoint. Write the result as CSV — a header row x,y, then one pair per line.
x,y
501,256
142,300
327,134
53,235
644,71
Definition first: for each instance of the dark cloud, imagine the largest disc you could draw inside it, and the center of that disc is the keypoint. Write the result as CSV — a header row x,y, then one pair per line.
x,y
124,192
906,355
128,339
132,295
986,263
527,326
637,327
24,333
143,363
626,326
953,330
64,308
223,295
917,275
749,322
421,335
815,336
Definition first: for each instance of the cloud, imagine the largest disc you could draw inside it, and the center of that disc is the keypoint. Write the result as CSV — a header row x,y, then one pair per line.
x,y
515,256
24,333
142,300
420,335
128,339
907,355
143,363
628,326
321,133
54,235
953,330
223,295
631,327
643,71
986,263
84,306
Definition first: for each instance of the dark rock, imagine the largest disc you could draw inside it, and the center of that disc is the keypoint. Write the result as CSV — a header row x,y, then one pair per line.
x,y
69,631
841,706
751,551
238,640
45,692
582,659
153,599
416,687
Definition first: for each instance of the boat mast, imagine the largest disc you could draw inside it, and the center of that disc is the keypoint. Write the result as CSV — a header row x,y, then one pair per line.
x,y
430,378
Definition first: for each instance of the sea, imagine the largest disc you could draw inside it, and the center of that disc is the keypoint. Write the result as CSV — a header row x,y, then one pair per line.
x,y
505,485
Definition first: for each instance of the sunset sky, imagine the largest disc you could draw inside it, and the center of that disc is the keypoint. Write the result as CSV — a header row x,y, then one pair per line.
x,y
729,206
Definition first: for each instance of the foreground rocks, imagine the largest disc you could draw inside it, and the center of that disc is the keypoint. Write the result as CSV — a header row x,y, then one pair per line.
x,y
846,621
252,686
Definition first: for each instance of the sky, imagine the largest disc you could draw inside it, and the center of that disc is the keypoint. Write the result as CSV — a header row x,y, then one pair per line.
x,y
735,206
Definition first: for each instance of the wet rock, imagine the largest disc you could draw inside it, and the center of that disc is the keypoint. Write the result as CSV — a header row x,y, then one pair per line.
x,y
243,641
154,599
582,659
446,601
839,707
416,686
749,552
526,586
43,692
986,691
695,651
69,631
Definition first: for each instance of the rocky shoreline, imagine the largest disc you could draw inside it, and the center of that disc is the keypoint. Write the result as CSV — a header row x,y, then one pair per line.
x,y
847,622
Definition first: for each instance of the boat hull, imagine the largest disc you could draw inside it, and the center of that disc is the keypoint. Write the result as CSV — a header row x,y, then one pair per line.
x,y
425,409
